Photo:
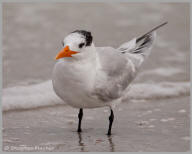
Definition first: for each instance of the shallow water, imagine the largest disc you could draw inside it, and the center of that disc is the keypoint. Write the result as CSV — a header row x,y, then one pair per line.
x,y
32,35
139,126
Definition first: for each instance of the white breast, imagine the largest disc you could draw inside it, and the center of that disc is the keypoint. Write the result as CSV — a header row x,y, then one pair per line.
x,y
73,82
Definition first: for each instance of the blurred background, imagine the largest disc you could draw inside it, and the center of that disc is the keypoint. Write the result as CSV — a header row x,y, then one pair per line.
x,y
32,35
155,112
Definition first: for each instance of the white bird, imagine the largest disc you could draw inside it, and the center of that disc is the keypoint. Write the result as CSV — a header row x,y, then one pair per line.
x,y
86,76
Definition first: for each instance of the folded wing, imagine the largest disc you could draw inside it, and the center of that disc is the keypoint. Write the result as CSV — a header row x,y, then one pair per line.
x,y
118,67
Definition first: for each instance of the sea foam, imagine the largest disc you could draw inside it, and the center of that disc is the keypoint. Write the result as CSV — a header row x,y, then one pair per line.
x,y
39,95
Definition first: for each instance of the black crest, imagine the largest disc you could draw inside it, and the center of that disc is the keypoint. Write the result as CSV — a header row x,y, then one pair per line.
x,y
87,35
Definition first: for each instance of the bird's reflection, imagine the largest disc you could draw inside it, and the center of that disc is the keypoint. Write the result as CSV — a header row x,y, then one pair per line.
x,y
81,144
111,144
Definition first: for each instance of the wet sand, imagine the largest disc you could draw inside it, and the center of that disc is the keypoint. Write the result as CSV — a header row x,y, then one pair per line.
x,y
155,125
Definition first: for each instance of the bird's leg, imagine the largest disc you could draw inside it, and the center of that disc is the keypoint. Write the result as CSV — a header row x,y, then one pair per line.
x,y
111,117
80,115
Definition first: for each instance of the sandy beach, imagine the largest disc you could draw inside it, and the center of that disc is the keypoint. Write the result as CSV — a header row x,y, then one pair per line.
x,y
154,115
156,125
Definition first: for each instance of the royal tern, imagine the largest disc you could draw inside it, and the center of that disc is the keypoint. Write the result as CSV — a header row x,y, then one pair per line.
x,y
86,76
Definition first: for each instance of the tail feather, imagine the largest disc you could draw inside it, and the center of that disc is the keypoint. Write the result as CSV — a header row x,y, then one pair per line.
x,y
140,38
142,44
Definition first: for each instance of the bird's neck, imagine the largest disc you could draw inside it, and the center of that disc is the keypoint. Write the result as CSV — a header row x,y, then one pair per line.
x,y
87,63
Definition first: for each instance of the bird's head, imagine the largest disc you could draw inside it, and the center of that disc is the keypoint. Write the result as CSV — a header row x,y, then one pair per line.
x,y
76,42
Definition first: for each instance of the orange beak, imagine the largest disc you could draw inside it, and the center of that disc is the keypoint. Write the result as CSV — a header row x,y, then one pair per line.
x,y
65,52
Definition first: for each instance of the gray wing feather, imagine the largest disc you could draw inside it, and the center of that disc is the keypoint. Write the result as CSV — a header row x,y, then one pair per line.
x,y
120,66
114,75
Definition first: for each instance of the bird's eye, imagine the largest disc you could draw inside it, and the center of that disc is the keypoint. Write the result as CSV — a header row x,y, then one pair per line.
x,y
62,43
81,45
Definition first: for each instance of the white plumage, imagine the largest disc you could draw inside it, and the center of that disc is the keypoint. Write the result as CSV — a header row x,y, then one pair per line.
x,y
97,76
86,76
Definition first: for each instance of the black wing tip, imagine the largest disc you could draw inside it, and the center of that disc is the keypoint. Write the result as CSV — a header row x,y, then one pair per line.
x,y
164,23
157,27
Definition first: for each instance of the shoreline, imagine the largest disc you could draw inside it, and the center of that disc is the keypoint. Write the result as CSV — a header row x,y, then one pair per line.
x,y
138,126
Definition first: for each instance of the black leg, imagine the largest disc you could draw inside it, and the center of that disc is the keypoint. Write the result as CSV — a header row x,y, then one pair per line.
x,y
111,117
80,116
